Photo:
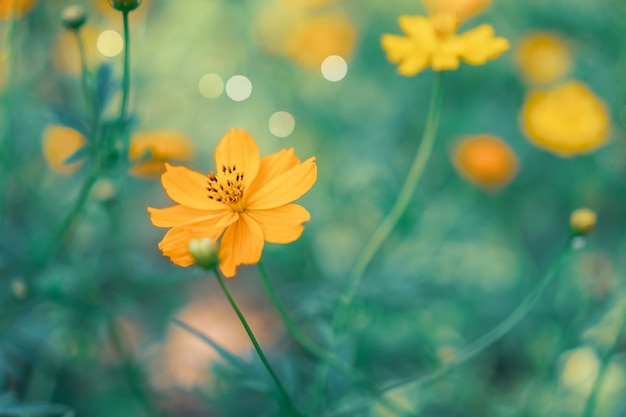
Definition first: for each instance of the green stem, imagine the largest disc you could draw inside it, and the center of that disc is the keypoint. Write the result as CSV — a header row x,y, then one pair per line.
x,y
90,95
133,374
399,207
383,231
590,405
493,335
125,88
321,354
286,399
6,139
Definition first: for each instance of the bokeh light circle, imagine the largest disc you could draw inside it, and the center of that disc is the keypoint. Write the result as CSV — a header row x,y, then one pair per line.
x,y
110,43
282,124
211,86
334,68
238,88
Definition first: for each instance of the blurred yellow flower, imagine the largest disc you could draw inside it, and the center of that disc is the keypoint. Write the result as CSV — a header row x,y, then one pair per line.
x,y
542,58
150,150
19,7
66,54
567,120
299,30
485,160
433,42
463,8
318,37
248,201
59,143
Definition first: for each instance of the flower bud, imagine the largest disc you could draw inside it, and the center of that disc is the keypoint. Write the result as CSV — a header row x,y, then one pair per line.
x,y
125,5
582,221
73,17
205,252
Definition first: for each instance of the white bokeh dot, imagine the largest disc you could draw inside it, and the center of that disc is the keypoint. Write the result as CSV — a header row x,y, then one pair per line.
x,y
238,88
334,68
110,43
282,124
211,86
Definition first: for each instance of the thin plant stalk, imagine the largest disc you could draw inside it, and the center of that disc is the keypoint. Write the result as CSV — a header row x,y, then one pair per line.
x,y
6,139
492,336
283,392
318,352
125,88
590,404
383,231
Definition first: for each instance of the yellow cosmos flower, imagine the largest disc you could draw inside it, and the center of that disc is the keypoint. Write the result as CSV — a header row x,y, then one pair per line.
x,y
485,160
19,7
542,58
150,150
463,8
433,42
566,120
59,143
247,202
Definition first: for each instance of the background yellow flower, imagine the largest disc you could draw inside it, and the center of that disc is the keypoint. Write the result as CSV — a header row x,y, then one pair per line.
x,y
19,7
433,42
306,33
59,143
542,57
150,150
567,120
485,160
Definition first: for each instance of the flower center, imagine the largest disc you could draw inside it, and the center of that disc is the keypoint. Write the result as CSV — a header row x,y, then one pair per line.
x,y
227,187
445,23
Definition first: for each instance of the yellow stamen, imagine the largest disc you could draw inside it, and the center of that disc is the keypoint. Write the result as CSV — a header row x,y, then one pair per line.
x,y
227,187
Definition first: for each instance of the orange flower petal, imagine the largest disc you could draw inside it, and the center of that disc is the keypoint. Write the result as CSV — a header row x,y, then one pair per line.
x,y
180,215
284,188
175,246
272,166
238,148
418,28
281,224
189,188
242,243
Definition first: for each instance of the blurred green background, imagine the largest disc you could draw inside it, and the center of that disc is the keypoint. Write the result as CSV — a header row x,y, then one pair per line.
x,y
460,260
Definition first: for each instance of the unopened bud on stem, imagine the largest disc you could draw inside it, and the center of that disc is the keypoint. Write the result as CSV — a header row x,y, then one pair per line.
x,y
205,252
73,17
582,221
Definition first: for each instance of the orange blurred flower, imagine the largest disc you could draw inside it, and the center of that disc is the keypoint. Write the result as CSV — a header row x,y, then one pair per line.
x,y
463,8
433,42
299,30
567,120
150,150
248,201
485,160
59,143
66,54
542,58
314,39
19,7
